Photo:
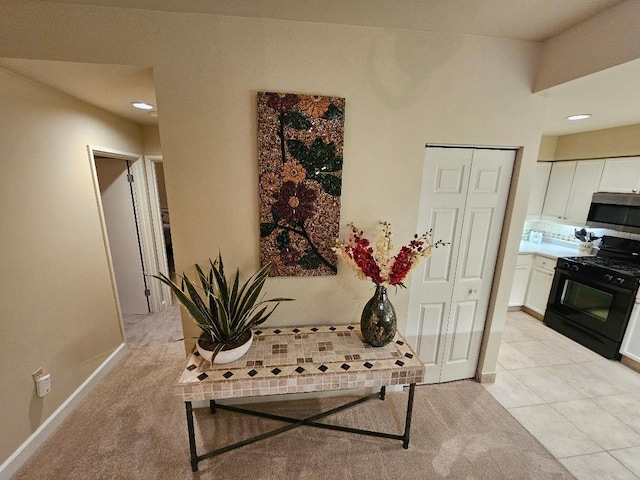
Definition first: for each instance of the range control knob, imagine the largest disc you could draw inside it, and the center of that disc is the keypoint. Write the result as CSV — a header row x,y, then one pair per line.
x,y
575,268
565,264
619,280
608,277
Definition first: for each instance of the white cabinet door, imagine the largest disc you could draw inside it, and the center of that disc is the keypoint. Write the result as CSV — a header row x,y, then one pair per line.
x,y
558,190
540,284
620,175
585,182
538,190
520,280
631,342
463,198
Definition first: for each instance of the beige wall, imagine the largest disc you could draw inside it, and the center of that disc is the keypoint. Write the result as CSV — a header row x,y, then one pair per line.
x,y
151,140
547,150
611,142
58,306
403,89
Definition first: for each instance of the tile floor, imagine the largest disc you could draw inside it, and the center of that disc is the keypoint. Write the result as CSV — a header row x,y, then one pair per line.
x,y
583,408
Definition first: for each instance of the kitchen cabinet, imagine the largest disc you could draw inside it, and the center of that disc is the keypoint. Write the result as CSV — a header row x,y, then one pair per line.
x,y
520,280
621,175
539,284
538,190
586,180
631,342
571,185
555,203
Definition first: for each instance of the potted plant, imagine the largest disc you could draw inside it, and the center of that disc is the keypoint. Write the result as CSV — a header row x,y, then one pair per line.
x,y
225,311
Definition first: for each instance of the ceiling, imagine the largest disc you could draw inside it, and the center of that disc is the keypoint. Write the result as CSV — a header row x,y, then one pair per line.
x,y
109,87
534,20
610,96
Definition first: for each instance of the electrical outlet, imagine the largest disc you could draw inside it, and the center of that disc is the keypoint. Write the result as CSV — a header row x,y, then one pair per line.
x,y
43,385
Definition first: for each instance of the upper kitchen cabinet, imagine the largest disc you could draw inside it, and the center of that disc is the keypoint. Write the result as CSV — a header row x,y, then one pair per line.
x,y
538,190
621,175
555,203
585,184
571,185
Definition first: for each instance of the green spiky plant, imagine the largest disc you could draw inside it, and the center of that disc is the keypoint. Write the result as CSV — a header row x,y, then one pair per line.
x,y
224,311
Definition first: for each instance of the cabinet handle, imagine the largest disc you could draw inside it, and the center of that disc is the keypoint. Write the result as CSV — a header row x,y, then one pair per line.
x,y
634,190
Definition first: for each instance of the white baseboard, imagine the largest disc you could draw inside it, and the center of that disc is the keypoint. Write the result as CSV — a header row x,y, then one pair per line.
x,y
37,438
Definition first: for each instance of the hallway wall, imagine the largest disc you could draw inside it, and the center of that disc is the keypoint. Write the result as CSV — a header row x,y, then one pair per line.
x,y
58,305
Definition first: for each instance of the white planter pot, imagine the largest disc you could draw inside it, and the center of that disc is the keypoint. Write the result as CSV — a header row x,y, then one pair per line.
x,y
225,356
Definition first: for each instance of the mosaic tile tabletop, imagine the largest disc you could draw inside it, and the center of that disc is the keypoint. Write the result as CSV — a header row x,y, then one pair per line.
x,y
302,359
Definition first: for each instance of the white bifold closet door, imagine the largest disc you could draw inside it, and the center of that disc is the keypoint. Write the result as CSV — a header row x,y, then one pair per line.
x,y
463,199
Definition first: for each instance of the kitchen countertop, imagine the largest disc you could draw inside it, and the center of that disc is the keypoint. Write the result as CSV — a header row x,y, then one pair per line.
x,y
552,249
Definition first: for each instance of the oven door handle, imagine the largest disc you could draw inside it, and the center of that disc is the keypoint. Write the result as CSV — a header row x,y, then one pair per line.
x,y
594,281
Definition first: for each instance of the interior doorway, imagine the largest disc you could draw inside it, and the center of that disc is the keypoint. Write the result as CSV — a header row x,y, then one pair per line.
x,y
116,193
130,215
160,204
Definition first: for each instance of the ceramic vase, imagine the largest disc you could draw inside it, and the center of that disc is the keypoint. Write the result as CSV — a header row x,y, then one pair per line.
x,y
378,322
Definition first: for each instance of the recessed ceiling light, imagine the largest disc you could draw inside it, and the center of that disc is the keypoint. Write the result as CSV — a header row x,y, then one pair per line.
x,y
142,105
579,116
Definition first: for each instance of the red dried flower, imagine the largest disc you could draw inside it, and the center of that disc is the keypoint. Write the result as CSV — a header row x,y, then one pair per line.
x,y
377,264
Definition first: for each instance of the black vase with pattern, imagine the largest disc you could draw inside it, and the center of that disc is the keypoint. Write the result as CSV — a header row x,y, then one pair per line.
x,y
378,322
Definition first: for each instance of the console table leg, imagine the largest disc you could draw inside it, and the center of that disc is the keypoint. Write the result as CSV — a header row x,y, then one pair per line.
x,y
212,406
383,391
407,425
192,437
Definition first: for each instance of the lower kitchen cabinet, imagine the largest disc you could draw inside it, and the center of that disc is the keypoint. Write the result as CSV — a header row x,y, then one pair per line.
x,y
539,286
520,280
631,343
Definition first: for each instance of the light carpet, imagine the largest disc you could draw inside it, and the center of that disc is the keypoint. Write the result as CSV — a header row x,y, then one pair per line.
x,y
132,427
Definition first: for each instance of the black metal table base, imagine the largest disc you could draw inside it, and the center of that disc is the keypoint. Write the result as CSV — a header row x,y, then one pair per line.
x,y
294,423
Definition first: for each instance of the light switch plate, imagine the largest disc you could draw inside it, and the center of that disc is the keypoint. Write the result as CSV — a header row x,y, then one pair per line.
x,y
43,385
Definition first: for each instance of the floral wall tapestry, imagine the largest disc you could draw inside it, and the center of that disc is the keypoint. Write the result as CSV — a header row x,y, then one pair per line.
x,y
300,142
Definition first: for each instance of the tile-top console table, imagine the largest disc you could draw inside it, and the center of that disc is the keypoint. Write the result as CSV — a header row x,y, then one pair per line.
x,y
300,360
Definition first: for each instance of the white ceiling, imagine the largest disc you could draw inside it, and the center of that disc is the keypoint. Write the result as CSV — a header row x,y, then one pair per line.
x,y
611,96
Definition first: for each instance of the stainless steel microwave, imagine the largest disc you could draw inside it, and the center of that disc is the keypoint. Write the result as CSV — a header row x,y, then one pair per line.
x,y
615,211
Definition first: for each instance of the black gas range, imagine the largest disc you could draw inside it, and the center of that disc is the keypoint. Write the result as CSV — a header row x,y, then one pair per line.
x,y
592,298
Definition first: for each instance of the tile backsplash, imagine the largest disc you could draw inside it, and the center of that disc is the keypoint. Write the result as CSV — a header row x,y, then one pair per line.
x,y
560,231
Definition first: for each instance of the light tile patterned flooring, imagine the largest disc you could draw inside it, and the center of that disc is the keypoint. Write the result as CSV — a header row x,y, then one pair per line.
x,y
583,408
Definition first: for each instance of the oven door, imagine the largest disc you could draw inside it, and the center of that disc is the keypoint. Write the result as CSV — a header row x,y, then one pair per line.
x,y
596,305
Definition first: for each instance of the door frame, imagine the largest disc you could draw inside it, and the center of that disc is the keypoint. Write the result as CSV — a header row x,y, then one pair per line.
x,y
150,258
162,291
